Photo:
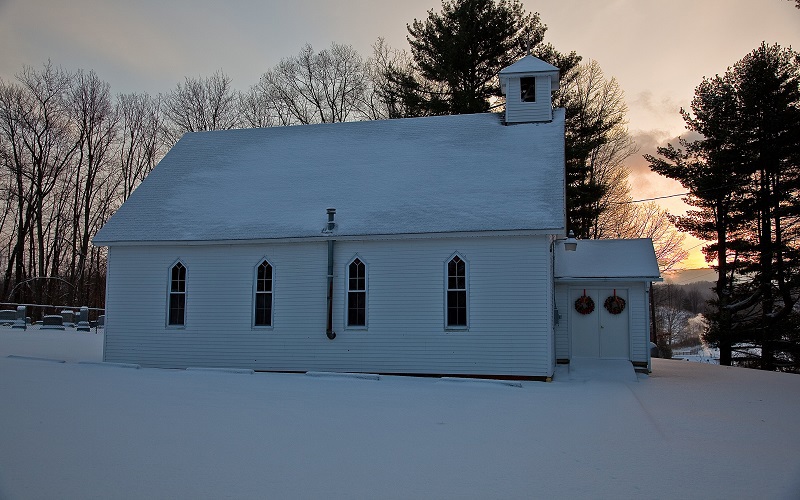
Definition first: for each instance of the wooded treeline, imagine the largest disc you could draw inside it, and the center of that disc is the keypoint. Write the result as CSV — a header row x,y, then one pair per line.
x,y
680,315
70,155
72,151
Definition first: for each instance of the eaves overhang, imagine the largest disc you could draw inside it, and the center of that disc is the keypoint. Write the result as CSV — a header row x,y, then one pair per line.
x,y
333,236
606,279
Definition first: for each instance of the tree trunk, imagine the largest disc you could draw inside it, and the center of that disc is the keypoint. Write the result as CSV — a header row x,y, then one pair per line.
x,y
724,323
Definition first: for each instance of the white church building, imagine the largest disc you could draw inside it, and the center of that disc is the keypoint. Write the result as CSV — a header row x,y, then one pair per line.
x,y
413,246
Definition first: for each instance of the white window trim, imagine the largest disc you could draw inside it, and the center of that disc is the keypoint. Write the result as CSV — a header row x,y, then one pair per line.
x,y
347,326
456,328
271,324
535,88
185,296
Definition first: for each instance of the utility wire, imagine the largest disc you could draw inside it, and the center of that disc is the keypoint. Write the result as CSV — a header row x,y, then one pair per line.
x,y
676,194
649,199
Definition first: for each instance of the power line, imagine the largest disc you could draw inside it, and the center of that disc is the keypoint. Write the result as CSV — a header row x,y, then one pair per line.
x,y
701,243
650,199
694,192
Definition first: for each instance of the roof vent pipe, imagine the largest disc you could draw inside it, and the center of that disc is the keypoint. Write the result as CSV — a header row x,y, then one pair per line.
x,y
330,227
331,223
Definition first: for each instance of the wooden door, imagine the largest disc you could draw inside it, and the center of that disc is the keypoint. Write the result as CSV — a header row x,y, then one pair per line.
x,y
614,333
599,333
584,326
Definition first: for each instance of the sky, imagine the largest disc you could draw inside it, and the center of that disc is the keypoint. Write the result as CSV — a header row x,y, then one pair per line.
x,y
658,51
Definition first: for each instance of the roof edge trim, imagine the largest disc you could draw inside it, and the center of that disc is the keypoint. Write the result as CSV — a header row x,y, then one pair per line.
x,y
334,236
575,279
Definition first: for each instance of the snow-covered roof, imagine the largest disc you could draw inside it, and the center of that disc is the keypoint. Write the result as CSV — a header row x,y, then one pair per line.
x,y
627,260
421,175
530,65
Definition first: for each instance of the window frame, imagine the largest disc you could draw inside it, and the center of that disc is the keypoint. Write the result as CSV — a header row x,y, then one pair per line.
x,y
177,293
447,290
256,292
522,92
348,291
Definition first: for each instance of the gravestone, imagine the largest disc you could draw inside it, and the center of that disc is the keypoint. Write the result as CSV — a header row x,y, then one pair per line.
x,y
21,320
7,317
69,317
83,320
52,322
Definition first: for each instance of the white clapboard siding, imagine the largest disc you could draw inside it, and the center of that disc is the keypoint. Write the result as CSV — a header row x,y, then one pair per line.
x,y
639,321
510,318
518,111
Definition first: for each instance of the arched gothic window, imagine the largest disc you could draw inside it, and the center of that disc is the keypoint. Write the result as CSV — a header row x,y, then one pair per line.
x,y
357,293
177,295
263,298
456,307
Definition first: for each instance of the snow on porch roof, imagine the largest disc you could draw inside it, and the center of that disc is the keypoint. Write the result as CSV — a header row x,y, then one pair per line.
x,y
419,175
619,260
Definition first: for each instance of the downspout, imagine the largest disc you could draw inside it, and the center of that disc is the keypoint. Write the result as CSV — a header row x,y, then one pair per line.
x,y
329,229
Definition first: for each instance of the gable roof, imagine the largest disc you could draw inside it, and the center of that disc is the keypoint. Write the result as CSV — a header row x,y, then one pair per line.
x,y
620,260
406,176
530,64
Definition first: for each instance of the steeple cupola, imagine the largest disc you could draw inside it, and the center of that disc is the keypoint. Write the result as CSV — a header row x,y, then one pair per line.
x,y
528,84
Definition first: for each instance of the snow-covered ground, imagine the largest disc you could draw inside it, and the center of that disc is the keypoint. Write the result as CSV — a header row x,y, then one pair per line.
x,y
92,431
699,354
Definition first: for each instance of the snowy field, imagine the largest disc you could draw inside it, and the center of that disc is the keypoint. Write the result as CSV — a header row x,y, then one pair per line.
x,y
700,354
90,431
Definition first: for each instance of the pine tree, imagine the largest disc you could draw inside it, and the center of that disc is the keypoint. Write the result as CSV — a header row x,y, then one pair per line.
x,y
456,56
768,90
458,53
744,179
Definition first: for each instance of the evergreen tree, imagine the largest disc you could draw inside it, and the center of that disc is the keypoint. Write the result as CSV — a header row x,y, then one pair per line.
x,y
768,90
707,168
458,53
456,56
743,178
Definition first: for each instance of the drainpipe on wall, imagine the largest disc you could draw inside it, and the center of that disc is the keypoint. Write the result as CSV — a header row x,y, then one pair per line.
x,y
329,229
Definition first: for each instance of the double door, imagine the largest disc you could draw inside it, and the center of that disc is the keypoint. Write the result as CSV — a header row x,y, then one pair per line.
x,y
599,333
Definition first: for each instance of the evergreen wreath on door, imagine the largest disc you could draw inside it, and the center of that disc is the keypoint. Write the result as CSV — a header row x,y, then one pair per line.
x,y
584,304
614,304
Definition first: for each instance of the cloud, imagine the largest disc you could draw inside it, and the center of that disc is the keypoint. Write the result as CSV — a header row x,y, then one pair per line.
x,y
644,182
647,141
665,105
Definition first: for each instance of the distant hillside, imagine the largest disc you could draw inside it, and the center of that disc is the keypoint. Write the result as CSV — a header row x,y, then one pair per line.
x,y
684,276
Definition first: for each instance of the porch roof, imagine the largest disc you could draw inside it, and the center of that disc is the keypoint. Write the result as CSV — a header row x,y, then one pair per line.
x,y
607,260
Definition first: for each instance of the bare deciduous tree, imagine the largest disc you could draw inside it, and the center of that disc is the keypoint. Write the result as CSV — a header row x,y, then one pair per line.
x,y
57,140
313,87
96,125
669,316
141,141
597,141
398,88
267,105
385,96
646,220
38,145
202,104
